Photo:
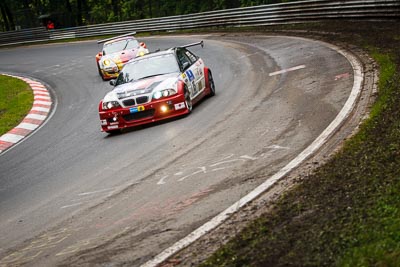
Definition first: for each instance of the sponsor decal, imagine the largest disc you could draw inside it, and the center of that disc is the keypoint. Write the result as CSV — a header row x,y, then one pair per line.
x,y
190,74
180,106
103,122
136,109
195,89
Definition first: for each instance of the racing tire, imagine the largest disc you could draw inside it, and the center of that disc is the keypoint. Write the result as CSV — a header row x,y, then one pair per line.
x,y
211,84
188,101
100,73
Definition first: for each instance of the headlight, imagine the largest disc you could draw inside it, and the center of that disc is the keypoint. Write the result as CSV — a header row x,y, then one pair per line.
x,y
106,62
110,105
163,93
157,95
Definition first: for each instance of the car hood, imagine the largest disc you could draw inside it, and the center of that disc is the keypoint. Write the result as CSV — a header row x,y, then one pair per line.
x,y
143,86
121,56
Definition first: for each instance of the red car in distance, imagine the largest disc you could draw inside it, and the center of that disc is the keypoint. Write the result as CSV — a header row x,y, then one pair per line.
x,y
116,52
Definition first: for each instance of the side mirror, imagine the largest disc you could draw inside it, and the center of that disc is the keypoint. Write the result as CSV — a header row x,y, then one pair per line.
x,y
99,55
113,82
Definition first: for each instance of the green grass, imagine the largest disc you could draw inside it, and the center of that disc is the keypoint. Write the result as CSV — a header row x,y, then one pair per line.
x,y
348,212
16,100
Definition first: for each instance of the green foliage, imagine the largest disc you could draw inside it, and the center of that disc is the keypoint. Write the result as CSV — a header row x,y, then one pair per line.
x,y
16,100
67,13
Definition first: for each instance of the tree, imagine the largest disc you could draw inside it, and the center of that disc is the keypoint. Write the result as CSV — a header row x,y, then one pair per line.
x,y
7,16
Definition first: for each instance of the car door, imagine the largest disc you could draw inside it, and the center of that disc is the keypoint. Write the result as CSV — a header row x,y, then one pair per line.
x,y
192,71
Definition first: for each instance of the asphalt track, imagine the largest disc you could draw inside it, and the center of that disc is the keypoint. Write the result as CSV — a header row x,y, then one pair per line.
x,y
72,195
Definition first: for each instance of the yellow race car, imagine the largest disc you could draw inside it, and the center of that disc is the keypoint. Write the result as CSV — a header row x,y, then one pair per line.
x,y
116,52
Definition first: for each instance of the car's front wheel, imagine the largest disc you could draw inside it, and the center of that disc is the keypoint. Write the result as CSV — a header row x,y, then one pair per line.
x,y
188,101
100,73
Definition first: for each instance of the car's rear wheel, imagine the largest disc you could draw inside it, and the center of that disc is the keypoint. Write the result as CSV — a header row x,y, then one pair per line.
x,y
211,84
188,101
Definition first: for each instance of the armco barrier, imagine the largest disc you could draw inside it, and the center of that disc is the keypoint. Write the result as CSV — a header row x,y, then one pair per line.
x,y
294,12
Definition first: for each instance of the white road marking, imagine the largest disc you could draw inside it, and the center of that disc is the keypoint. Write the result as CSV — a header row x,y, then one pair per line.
x,y
321,139
96,192
287,70
218,169
279,147
162,180
72,205
265,132
248,157
224,162
202,170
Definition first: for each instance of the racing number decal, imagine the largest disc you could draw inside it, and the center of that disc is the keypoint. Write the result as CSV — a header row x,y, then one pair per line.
x,y
190,75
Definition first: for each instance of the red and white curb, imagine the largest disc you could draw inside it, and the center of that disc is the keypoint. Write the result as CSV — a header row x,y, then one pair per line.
x,y
37,115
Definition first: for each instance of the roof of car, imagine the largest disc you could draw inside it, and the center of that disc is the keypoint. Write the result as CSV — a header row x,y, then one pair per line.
x,y
119,39
156,53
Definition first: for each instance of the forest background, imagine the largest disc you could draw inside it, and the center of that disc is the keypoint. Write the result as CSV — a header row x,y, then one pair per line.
x,y
23,14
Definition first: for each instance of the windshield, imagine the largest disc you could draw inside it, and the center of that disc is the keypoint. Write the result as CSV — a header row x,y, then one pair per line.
x,y
119,46
148,67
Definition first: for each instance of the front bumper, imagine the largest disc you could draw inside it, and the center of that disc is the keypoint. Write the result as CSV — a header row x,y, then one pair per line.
x,y
111,74
153,111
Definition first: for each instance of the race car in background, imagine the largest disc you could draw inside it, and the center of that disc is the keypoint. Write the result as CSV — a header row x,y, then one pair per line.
x,y
116,52
155,87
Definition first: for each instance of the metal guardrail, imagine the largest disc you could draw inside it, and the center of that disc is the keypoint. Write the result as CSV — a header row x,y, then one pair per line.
x,y
263,15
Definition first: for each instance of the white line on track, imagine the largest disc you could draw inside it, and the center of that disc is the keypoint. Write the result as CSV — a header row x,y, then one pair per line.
x,y
335,124
287,70
96,192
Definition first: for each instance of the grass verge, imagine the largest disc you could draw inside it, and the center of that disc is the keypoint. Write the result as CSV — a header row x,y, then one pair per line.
x,y
16,98
348,212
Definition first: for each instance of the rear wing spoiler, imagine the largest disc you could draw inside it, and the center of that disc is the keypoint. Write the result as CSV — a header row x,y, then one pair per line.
x,y
116,37
193,44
